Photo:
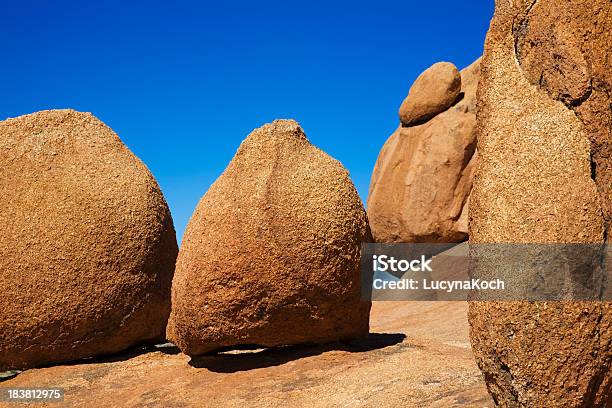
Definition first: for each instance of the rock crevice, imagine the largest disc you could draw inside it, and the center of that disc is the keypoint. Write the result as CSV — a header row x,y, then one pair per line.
x,y
543,176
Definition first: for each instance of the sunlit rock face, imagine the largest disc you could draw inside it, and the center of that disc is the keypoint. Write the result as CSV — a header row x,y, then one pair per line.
x,y
87,244
543,176
271,255
422,180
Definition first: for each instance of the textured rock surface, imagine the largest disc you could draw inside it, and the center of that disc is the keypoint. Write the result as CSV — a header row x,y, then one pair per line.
x,y
543,176
271,254
566,50
423,176
432,367
434,91
87,245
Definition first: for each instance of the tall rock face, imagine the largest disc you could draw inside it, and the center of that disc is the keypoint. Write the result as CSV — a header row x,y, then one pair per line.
x,y
87,245
271,255
422,180
543,176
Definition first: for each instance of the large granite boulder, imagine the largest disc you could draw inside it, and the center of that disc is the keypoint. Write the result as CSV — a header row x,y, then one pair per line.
x,y
271,255
87,245
543,176
422,180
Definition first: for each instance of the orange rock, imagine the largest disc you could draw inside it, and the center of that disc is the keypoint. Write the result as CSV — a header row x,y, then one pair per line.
x,y
417,356
423,176
271,255
87,245
434,91
543,176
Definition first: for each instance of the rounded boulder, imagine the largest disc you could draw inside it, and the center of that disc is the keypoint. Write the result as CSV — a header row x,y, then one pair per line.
x,y
87,245
434,91
271,255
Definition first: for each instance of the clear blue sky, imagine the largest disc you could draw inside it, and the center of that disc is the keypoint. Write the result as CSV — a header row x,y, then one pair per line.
x,y
184,82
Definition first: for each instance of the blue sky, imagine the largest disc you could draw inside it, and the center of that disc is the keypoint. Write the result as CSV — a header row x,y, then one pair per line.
x,y
184,82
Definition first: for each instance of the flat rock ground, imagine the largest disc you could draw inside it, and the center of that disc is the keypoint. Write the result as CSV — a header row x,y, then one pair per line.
x,y
418,355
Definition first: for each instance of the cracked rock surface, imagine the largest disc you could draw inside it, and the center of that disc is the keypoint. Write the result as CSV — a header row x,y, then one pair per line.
x,y
543,176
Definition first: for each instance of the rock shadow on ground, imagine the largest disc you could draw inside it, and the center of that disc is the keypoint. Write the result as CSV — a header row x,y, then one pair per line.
x,y
254,357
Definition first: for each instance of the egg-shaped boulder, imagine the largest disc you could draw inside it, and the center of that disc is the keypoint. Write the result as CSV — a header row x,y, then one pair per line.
x,y
271,255
433,92
87,244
